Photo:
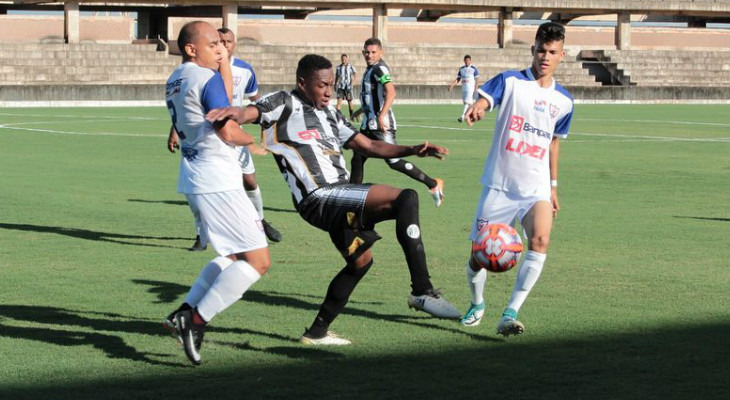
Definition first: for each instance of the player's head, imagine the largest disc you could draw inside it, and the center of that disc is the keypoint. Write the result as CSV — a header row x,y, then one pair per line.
x,y
199,43
344,58
548,51
372,50
315,79
467,59
228,39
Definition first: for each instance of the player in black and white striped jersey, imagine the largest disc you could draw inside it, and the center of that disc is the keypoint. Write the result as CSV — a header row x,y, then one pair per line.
x,y
344,77
306,135
378,123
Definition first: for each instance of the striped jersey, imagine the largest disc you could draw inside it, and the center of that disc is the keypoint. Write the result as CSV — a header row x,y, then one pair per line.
x,y
372,96
343,76
528,119
208,164
244,81
467,74
306,142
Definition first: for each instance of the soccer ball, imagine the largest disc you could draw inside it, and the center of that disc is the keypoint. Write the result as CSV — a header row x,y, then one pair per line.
x,y
497,248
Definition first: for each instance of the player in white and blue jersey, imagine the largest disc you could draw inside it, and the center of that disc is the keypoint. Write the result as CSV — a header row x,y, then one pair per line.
x,y
307,136
211,181
468,75
520,176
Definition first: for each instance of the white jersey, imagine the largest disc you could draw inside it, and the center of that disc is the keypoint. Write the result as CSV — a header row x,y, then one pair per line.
x,y
529,116
244,82
467,74
207,165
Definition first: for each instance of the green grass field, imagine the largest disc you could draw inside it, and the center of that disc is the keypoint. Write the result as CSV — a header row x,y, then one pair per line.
x,y
633,302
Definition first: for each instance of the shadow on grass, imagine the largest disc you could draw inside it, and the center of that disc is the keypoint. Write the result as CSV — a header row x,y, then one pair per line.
x,y
704,218
679,362
91,235
166,292
170,202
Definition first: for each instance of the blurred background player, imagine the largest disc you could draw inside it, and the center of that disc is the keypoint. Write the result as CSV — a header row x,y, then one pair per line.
x,y
468,75
344,76
307,134
376,98
211,181
244,90
520,178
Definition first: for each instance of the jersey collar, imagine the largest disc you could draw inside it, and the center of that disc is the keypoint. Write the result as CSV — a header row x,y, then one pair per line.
x,y
529,74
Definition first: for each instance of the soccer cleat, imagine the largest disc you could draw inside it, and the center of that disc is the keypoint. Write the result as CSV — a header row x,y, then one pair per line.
x,y
197,246
191,333
474,316
437,192
459,119
271,232
433,303
169,324
330,339
509,325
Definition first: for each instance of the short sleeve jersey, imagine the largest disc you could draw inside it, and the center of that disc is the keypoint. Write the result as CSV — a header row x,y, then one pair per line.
x,y
208,164
372,95
245,84
529,117
307,143
343,75
467,74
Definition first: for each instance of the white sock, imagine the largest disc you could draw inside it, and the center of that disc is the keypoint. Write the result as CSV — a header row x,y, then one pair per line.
x,y
526,277
257,200
463,112
207,276
476,280
230,285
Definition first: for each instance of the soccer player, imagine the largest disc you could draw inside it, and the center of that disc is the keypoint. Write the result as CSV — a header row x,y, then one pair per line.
x,y
307,135
344,76
468,75
244,89
211,181
520,178
376,98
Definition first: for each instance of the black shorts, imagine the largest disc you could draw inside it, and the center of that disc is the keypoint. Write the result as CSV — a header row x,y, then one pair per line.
x,y
338,210
387,136
344,94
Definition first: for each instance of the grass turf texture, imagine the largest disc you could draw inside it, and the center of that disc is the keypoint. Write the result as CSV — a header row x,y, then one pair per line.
x,y
633,301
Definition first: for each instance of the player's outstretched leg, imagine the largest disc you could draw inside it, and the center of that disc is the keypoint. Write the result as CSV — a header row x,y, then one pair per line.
x,y
435,186
475,280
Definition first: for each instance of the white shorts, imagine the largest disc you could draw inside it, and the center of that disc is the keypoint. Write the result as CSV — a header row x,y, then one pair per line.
x,y
228,221
245,160
496,206
467,93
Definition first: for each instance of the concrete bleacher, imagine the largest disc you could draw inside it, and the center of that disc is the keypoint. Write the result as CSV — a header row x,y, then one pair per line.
x,y
668,68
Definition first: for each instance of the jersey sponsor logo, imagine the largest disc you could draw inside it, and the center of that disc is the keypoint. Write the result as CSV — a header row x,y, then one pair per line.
x,y
173,87
309,134
518,124
523,148
540,105
554,110
189,153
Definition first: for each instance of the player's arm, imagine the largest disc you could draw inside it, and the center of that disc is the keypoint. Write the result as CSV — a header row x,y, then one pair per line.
x,y
379,149
245,115
230,132
454,82
383,123
173,141
475,112
554,155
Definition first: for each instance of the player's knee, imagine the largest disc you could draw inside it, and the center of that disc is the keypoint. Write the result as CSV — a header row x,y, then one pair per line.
x,y
395,163
249,182
540,243
407,199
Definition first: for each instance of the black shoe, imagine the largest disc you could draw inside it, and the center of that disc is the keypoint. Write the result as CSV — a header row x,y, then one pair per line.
x,y
169,322
197,246
459,119
192,334
271,232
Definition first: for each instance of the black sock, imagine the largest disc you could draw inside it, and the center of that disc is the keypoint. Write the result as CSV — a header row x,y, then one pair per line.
x,y
408,231
411,170
357,168
338,293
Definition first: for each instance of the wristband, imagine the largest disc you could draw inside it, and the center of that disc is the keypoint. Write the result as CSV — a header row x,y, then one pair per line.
x,y
554,182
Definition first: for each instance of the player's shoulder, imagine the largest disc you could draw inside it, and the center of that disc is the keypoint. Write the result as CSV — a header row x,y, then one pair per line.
x,y
238,63
563,91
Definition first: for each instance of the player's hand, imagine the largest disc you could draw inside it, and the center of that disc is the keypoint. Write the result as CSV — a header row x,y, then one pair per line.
x,y
383,124
431,150
554,200
253,148
473,114
173,141
220,114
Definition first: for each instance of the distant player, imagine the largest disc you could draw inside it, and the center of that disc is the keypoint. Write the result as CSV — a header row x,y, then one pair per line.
x,y
307,135
345,74
520,178
211,181
244,89
376,98
468,75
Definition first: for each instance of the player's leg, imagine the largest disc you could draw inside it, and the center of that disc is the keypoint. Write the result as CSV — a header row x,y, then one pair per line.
x,y
199,244
357,168
537,222
386,203
467,97
248,171
349,102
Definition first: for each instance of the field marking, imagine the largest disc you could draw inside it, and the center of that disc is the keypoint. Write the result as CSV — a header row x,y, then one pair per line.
x,y
83,116
79,133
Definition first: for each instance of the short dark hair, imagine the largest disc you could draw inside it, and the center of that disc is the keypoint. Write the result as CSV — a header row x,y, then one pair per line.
x,y
344,55
550,32
225,31
467,56
373,42
310,63
188,34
